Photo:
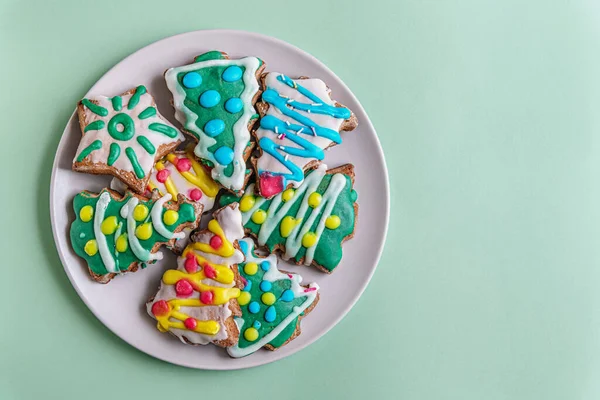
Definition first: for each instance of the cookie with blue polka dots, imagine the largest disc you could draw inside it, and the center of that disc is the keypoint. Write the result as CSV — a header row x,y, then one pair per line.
x,y
214,101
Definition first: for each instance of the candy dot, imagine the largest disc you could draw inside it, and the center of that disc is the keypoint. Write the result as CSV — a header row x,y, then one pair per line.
x,y
207,297
254,307
210,272
170,217
109,225
247,202
333,222
190,323
214,127
244,298
86,213
210,98
265,286
224,155
250,268
216,242
270,184
232,74
248,286
183,288
234,105
162,175
191,264
265,265
270,314
243,246
91,247
259,216
140,212
314,200
287,295
268,298
251,334
287,195
122,243
184,164
160,308
144,231
195,194
288,223
256,324
309,239
192,80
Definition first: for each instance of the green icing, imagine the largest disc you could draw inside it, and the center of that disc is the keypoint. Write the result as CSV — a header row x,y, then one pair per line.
x,y
211,55
81,232
95,145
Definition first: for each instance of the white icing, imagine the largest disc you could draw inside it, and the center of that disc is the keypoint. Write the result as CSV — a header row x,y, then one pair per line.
x,y
157,221
140,252
107,258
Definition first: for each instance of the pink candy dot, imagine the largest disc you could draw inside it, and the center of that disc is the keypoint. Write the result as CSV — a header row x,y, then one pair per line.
x,y
160,308
162,175
183,165
206,297
191,265
195,194
183,288
190,323
270,184
216,242
210,272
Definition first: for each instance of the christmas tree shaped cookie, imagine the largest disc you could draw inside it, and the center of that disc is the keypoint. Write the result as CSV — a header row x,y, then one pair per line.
x,y
299,121
123,136
308,224
116,234
214,101
197,301
272,303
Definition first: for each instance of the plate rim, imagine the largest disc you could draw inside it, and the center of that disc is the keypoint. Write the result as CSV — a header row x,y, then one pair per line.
x,y
379,250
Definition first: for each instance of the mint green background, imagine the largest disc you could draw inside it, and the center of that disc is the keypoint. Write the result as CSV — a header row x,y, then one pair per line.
x,y
488,114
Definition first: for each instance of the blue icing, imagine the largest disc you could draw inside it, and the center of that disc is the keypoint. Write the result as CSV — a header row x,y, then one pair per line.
x,y
254,307
265,265
287,295
224,155
248,285
265,286
243,246
270,314
256,324
192,80
234,105
210,98
232,74
214,127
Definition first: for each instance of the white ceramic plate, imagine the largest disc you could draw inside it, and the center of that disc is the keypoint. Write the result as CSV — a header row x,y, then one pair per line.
x,y
120,304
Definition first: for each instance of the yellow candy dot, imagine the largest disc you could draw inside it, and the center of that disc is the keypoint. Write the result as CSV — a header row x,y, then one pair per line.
x,y
268,298
287,195
332,222
170,217
140,212
244,298
251,268
86,213
259,216
251,334
122,243
314,200
287,226
309,239
109,225
247,202
144,231
91,247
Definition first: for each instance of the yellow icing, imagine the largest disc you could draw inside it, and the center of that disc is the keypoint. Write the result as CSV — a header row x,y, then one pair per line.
x,y
251,334
226,249
244,298
259,216
91,247
140,212
333,222
121,243
109,225
287,195
251,268
170,217
314,200
288,224
86,213
309,239
144,231
247,202
268,298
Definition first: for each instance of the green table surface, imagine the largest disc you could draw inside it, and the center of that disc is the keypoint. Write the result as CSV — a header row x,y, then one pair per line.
x,y
488,115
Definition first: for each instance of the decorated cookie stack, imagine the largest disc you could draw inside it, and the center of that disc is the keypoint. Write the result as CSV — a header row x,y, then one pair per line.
x,y
257,143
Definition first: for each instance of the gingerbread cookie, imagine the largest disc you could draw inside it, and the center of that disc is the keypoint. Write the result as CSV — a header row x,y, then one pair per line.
x,y
116,234
123,136
197,301
214,101
299,120
272,303
308,224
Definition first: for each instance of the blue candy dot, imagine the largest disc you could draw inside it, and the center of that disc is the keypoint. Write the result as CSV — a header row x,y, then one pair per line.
x,y
270,314
243,246
254,307
287,295
210,98
224,155
232,74
265,265
234,105
192,80
248,286
265,286
214,127
256,324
